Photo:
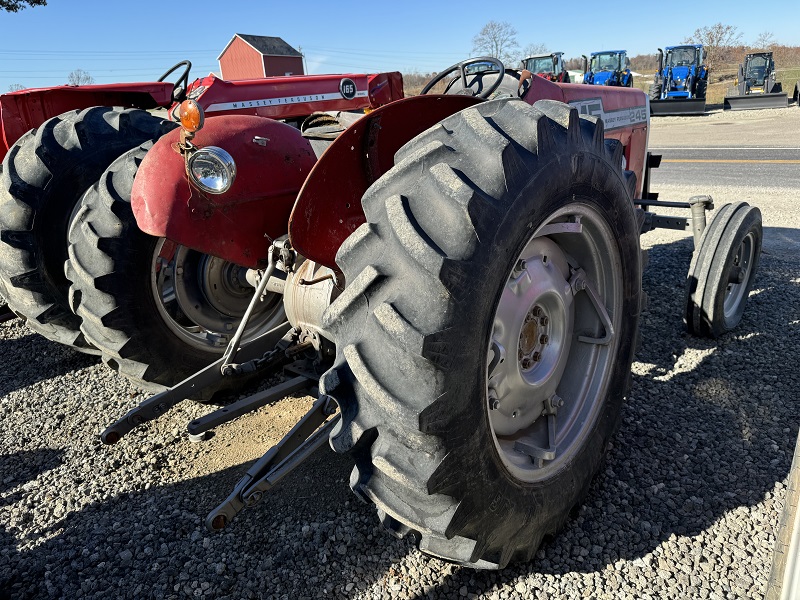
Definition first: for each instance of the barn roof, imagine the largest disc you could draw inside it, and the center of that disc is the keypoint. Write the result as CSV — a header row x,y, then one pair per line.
x,y
265,45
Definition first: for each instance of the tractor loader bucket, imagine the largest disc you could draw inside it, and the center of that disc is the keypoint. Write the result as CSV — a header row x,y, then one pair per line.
x,y
678,106
755,101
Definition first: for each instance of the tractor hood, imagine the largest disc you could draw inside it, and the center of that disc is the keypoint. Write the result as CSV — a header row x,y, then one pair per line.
x,y
678,76
601,77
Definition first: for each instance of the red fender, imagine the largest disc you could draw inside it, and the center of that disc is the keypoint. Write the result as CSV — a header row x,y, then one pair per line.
x,y
329,209
272,162
22,111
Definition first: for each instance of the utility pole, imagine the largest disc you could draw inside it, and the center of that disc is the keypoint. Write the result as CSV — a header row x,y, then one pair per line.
x,y
305,66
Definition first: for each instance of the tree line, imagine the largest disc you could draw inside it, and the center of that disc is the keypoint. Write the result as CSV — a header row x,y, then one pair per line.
x,y
723,44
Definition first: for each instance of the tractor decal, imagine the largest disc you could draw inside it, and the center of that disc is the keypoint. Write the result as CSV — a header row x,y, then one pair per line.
x,y
222,106
613,119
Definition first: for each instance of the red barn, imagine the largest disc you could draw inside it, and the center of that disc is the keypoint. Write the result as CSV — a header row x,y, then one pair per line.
x,y
256,56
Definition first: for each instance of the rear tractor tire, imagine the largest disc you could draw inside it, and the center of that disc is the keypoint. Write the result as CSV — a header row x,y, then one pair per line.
x,y
44,175
485,337
158,312
722,270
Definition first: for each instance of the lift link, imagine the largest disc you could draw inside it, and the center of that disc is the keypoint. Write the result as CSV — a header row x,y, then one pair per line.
x,y
306,436
160,403
278,251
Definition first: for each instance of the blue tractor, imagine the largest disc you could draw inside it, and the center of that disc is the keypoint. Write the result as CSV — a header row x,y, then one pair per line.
x,y
610,67
679,87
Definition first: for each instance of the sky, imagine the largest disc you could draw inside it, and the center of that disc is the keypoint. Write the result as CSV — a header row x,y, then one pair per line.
x,y
139,40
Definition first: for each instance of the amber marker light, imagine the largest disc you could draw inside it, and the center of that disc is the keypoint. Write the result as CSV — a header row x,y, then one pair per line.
x,y
191,116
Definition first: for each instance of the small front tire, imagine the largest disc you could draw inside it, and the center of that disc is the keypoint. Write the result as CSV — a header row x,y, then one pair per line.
x,y
722,270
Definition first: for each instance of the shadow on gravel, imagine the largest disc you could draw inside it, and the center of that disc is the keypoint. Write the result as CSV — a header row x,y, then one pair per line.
x,y
32,358
308,533
15,470
709,428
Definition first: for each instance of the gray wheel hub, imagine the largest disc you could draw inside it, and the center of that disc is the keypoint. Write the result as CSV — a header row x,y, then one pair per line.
x,y
552,342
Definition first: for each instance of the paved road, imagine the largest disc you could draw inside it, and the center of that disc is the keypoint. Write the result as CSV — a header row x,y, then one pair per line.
x,y
751,166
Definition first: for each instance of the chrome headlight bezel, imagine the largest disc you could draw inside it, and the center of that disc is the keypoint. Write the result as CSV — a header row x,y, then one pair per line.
x,y
221,168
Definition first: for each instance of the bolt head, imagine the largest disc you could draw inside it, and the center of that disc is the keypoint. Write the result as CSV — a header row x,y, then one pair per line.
x,y
544,339
537,356
543,321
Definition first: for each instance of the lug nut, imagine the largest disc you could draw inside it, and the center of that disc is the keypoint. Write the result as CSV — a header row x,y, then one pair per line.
x,y
543,320
544,339
526,363
537,356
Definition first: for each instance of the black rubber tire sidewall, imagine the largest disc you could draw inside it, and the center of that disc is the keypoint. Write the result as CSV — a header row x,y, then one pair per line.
x,y
786,532
58,168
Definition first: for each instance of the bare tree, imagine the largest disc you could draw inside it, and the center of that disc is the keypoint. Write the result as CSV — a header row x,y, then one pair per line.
x,y
764,41
15,5
716,40
498,40
533,50
15,87
79,77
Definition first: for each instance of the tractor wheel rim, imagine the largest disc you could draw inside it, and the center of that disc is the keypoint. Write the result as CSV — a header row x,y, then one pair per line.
x,y
202,299
539,361
743,263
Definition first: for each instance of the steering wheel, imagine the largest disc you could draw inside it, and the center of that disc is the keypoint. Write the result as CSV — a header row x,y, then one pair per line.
x,y
461,68
179,91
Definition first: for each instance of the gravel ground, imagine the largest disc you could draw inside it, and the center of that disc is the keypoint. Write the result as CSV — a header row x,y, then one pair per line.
x,y
686,506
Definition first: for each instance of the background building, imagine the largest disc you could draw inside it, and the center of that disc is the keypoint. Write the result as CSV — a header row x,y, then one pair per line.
x,y
256,56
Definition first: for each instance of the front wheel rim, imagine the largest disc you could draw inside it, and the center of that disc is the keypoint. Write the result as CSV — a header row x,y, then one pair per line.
x,y
743,265
201,299
551,350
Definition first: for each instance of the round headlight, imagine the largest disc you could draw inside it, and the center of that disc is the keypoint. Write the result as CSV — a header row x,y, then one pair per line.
x,y
212,169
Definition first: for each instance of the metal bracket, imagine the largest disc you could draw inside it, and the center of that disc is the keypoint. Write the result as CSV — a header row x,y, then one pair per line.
x,y
654,221
551,406
580,282
306,436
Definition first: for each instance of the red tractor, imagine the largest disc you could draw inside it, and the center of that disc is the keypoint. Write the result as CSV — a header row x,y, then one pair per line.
x,y
461,279
549,65
154,310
